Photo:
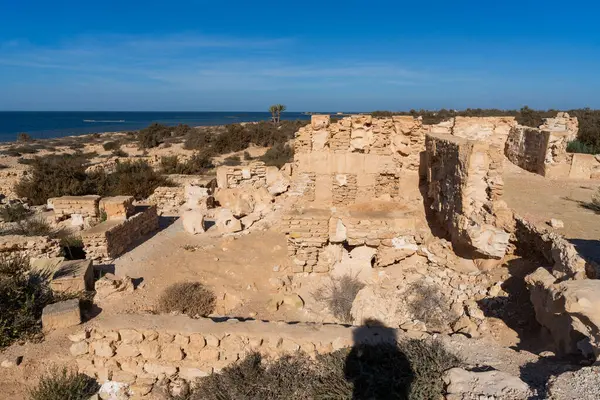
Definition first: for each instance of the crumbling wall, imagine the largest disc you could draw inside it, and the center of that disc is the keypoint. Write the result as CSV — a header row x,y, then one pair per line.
x,y
254,175
111,238
167,199
563,122
29,246
493,130
140,349
355,157
526,147
464,184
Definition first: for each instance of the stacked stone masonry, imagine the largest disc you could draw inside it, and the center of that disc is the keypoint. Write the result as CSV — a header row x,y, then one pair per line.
x,y
254,175
464,182
111,238
86,206
167,199
30,246
141,349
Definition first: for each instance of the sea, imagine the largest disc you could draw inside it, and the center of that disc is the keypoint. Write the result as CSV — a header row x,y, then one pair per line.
x,y
50,124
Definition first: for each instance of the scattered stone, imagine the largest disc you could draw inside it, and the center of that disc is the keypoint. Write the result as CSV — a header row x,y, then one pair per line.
x,y
294,301
12,362
79,336
498,384
193,221
73,276
583,384
110,284
226,221
79,348
111,390
556,223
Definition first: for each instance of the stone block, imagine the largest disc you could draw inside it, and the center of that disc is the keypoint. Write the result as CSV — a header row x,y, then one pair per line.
x,y
150,350
193,221
319,121
117,207
73,276
226,222
61,315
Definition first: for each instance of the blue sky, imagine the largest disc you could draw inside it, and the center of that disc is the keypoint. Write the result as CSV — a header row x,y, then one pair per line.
x,y
326,55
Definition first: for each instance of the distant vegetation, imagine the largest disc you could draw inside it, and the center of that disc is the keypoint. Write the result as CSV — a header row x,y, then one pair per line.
x,y
588,138
65,175
276,110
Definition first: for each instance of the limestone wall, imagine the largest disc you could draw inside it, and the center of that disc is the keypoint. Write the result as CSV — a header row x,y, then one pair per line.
x,y
254,175
585,166
140,349
354,158
86,206
167,199
29,246
527,147
464,182
111,238
562,257
493,130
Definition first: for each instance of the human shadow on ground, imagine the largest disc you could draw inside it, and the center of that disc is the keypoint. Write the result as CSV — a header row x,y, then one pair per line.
x,y
537,374
375,366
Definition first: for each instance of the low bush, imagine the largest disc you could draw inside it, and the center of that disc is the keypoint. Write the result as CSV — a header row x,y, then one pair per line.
x,y
14,212
4,166
65,175
54,176
577,146
278,155
72,246
119,153
190,298
199,163
153,135
412,369
23,295
113,145
24,137
25,149
181,130
339,296
429,305
64,384
247,156
232,161
34,226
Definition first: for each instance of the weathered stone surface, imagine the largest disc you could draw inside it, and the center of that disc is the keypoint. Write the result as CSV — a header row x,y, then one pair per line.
x,y
117,207
73,276
193,221
237,201
570,310
79,348
461,383
103,348
226,222
277,182
61,315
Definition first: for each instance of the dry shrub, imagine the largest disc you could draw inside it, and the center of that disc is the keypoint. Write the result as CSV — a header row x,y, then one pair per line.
x,y
232,161
190,298
64,384
411,369
278,155
153,135
14,212
24,137
339,296
112,145
595,203
131,178
199,163
429,305
23,296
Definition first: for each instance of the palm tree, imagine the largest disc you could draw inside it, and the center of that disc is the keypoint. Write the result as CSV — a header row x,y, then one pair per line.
x,y
273,111
276,110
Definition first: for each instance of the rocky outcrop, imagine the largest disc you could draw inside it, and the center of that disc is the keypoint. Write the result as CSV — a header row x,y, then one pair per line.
x,y
470,385
570,310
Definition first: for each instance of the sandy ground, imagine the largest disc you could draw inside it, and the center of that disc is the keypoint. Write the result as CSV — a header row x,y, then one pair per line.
x,y
539,199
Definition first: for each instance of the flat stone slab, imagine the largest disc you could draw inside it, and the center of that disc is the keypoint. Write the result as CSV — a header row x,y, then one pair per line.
x,y
73,276
61,315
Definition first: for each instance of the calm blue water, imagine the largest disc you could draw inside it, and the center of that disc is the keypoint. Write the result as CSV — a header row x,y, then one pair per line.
x,y
56,124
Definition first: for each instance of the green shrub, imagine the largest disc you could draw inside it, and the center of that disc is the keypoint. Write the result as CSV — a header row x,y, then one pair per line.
x,y
278,155
24,137
23,295
14,212
131,178
190,298
113,145
119,153
199,138
339,296
153,135
64,384
181,130
232,161
35,226
412,370
577,146
54,176
198,163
